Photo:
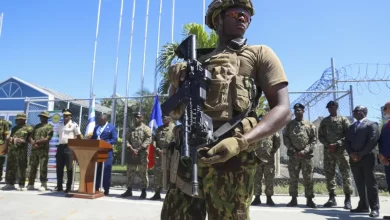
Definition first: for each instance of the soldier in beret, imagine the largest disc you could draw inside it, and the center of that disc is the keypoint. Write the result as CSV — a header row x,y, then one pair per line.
x,y
64,157
300,138
40,138
16,146
138,144
331,134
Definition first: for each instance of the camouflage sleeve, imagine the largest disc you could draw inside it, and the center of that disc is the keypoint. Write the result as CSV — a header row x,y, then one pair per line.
x,y
29,132
309,149
6,128
275,142
49,132
346,124
147,137
286,139
154,141
322,134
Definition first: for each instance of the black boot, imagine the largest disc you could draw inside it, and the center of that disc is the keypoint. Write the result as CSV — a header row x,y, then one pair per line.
x,y
59,187
293,202
143,194
256,201
331,202
347,202
128,192
310,203
270,202
156,196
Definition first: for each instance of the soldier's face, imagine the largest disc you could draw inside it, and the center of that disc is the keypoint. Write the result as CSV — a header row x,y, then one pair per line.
x,y
298,112
236,22
43,119
19,121
138,119
332,109
166,120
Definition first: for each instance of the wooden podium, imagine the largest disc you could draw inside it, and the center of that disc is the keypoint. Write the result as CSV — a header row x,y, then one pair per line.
x,y
88,153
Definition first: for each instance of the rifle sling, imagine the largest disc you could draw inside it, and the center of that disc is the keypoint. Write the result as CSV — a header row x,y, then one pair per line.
x,y
231,124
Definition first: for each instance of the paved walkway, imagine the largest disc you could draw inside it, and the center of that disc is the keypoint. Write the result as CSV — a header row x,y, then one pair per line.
x,y
15,205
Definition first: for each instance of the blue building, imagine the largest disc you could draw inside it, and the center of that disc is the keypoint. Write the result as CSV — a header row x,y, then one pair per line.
x,y
17,95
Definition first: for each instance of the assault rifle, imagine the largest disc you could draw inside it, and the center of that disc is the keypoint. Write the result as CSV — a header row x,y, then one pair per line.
x,y
197,126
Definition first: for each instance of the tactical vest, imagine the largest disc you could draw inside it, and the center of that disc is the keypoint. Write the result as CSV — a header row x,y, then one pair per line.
x,y
229,93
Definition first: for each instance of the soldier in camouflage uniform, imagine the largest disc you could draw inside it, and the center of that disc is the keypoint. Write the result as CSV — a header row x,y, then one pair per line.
x,y
300,138
266,154
4,132
17,153
331,134
138,144
226,169
40,138
162,137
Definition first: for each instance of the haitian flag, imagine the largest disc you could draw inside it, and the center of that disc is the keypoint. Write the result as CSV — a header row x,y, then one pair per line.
x,y
155,122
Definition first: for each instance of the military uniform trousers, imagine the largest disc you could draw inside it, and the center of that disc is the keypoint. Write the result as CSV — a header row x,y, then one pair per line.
x,y
158,174
342,160
142,170
266,170
295,165
227,191
64,157
107,173
2,160
16,164
39,156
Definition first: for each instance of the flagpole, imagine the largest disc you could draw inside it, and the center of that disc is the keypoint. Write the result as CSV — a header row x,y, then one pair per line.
x,y
173,18
1,22
127,87
113,114
158,48
204,12
144,59
94,51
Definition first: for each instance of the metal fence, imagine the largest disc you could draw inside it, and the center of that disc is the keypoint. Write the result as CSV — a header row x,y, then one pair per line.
x,y
315,111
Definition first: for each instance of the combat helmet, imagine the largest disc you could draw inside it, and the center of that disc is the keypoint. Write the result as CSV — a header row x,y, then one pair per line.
x,y
217,6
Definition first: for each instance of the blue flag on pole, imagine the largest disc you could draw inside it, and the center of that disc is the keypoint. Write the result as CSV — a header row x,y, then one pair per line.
x,y
156,117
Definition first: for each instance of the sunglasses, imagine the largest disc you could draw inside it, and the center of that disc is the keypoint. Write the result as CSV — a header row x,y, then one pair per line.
x,y
237,14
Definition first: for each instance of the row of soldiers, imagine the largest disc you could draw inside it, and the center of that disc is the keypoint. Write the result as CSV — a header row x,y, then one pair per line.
x,y
15,144
300,139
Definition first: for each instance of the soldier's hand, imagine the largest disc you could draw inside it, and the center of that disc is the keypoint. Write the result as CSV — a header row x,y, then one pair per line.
x,y
225,150
135,152
17,140
299,154
160,153
35,146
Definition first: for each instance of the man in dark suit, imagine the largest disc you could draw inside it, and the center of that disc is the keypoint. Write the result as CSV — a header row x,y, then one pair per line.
x,y
384,145
360,143
106,132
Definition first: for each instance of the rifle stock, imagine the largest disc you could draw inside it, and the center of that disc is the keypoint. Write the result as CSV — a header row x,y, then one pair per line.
x,y
197,126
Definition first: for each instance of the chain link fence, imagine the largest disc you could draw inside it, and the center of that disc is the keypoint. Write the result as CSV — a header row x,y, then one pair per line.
x,y
315,111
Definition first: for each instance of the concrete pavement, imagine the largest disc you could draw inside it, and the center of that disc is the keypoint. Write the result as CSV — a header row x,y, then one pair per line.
x,y
16,205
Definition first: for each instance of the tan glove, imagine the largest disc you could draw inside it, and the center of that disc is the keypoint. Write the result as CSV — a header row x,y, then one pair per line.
x,y
225,150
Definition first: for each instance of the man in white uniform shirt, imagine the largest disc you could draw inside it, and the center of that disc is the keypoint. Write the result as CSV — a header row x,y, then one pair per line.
x,y
64,156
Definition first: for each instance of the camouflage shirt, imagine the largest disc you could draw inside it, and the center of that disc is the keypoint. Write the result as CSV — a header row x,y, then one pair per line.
x,y
4,131
42,131
300,136
140,137
163,136
268,147
333,130
22,132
